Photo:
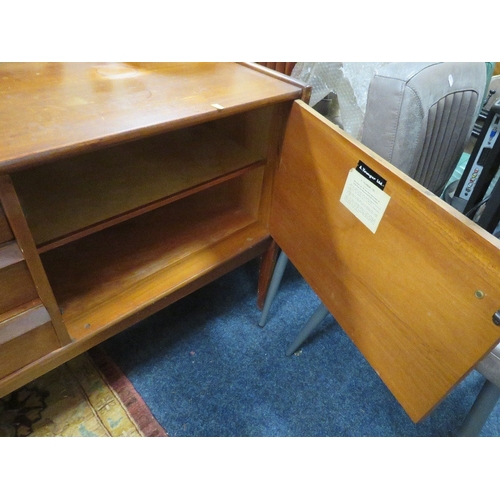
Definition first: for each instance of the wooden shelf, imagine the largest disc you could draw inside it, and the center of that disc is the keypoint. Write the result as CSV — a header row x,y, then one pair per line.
x,y
19,310
112,274
69,199
25,337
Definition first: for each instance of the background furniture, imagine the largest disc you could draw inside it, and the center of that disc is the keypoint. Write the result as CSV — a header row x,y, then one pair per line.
x,y
419,116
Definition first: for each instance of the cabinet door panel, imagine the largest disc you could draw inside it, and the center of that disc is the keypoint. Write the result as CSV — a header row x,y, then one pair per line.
x,y
416,295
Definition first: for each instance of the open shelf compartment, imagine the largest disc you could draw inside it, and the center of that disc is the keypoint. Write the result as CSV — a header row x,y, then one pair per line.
x,y
107,276
68,199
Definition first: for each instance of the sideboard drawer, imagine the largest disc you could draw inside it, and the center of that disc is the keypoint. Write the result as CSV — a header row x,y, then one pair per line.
x,y
16,284
24,338
5,232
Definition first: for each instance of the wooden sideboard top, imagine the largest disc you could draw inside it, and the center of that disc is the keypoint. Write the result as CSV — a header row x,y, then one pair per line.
x,y
50,110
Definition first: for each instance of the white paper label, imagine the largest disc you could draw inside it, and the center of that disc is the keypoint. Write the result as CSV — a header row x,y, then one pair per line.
x,y
365,200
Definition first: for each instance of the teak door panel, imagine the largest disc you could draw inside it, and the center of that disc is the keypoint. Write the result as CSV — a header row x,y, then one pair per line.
x,y
416,296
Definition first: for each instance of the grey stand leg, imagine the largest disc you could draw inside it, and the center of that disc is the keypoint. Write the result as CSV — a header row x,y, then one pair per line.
x,y
317,317
480,411
273,286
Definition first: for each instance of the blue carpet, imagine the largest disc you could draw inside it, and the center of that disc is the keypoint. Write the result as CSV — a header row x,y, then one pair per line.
x,y
205,368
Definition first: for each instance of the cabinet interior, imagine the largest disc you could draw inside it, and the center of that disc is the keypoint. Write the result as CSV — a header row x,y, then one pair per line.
x,y
70,198
120,228
102,278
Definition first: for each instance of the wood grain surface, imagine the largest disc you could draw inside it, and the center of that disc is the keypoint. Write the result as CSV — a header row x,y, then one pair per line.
x,y
51,110
407,294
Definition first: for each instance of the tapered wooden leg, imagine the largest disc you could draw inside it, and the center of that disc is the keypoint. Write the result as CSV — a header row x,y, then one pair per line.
x,y
267,263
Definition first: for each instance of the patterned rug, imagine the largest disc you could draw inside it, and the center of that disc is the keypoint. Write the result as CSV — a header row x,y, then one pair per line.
x,y
87,397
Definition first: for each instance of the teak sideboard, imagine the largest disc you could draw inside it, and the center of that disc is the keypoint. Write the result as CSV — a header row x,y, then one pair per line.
x,y
124,187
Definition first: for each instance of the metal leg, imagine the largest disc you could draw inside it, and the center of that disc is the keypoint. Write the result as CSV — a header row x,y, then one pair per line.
x,y
273,287
317,317
480,411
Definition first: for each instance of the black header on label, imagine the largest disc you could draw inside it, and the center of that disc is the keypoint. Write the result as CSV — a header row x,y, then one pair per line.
x,y
372,176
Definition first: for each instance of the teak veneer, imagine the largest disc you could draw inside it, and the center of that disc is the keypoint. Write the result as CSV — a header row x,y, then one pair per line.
x,y
124,187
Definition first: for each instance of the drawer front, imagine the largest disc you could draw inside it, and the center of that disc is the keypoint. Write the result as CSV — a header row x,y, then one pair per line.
x,y
16,284
24,338
5,232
